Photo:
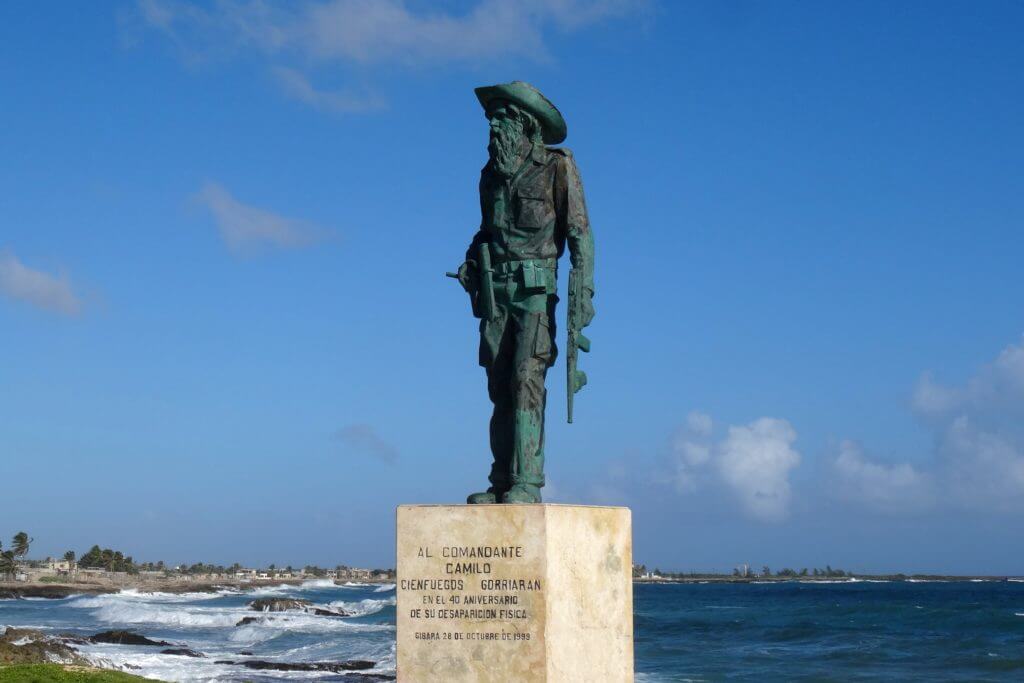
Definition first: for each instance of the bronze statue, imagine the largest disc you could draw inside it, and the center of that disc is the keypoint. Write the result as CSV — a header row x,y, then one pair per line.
x,y
531,201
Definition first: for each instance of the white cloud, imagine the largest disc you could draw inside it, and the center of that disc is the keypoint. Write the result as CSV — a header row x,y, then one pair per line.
x,y
997,385
897,486
977,464
980,432
245,228
371,31
983,467
37,288
691,448
297,85
360,33
930,398
755,460
365,439
699,424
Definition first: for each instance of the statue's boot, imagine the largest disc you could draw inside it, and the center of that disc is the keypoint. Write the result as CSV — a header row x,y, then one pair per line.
x,y
488,497
527,457
522,493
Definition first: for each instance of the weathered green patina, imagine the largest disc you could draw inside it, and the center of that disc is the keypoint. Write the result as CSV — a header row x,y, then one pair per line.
x,y
532,206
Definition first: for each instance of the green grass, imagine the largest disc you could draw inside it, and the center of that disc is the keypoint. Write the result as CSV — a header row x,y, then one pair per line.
x,y
57,673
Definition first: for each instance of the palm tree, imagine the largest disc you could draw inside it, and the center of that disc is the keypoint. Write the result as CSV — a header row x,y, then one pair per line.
x,y
20,543
8,565
19,547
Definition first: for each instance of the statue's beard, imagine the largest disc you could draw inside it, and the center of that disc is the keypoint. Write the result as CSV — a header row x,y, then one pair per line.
x,y
506,146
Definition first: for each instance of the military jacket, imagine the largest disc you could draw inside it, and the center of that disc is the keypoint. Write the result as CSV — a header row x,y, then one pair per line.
x,y
533,214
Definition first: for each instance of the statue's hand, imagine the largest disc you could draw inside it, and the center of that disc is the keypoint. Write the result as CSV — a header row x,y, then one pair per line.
x,y
587,307
469,276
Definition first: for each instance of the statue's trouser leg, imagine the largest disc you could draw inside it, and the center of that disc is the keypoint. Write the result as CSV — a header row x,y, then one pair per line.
x,y
534,354
502,428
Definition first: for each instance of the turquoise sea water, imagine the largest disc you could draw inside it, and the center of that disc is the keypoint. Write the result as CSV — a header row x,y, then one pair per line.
x,y
861,631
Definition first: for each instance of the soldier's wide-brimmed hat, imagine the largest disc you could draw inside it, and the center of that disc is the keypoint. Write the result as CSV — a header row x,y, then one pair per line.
x,y
521,93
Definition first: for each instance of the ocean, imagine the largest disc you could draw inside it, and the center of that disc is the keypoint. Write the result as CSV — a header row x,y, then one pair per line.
x,y
842,631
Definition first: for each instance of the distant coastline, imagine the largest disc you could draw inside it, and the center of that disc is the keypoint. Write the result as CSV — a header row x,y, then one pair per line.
x,y
105,570
859,578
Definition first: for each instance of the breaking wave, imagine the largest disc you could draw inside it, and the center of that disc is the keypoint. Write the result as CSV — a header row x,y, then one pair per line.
x,y
271,627
281,589
362,608
132,595
180,616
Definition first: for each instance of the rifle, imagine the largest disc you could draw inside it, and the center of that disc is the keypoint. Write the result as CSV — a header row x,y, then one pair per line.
x,y
485,290
575,379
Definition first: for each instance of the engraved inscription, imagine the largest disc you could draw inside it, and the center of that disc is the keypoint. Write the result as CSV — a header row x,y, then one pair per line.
x,y
464,600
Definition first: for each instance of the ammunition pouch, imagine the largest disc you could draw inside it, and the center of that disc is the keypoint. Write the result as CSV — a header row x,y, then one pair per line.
x,y
535,276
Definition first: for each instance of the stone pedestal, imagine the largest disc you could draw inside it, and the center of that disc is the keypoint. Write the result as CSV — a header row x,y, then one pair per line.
x,y
524,593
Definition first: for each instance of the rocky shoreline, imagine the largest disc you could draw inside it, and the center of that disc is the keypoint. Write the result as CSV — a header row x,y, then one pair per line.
x,y
24,646
14,591
27,647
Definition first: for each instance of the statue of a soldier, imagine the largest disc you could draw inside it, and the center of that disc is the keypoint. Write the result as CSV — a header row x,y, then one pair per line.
x,y
531,201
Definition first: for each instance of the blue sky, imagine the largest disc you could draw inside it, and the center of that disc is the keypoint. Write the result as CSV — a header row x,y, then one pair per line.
x,y
226,334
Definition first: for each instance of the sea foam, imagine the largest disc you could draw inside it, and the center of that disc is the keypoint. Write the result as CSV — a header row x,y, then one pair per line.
x,y
362,608
269,628
133,595
180,616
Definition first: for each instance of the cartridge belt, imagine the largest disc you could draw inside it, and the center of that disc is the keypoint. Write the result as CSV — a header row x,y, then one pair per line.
x,y
510,267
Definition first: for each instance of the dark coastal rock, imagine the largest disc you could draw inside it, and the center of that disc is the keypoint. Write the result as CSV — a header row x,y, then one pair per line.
x,y
29,646
53,592
183,651
332,667
248,620
125,638
245,653
292,604
278,604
